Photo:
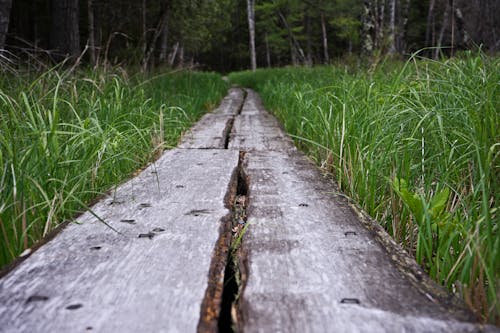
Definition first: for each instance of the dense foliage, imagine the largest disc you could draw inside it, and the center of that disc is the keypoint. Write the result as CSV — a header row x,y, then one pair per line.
x,y
65,138
215,34
418,147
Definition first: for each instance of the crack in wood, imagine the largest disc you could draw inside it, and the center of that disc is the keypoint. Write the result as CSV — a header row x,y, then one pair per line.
x,y
230,123
219,311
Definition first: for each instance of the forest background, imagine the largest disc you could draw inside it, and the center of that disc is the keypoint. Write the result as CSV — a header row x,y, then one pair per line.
x,y
214,35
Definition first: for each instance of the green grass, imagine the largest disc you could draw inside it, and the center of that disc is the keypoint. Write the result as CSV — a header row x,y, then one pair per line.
x,y
65,138
417,145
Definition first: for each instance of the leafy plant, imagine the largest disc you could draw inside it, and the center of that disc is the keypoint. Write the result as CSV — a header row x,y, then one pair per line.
x,y
430,215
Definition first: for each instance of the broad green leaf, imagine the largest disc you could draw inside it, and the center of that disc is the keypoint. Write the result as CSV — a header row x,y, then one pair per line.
x,y
438,202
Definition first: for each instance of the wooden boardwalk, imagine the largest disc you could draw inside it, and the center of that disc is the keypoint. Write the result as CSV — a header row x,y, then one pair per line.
x,y
309,260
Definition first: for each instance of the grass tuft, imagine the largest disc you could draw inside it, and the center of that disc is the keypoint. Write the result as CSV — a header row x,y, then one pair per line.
x,y
66,137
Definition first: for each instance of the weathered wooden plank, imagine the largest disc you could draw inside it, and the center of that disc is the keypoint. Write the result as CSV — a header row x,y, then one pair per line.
x,y
149,277
213,128
313,267
256,129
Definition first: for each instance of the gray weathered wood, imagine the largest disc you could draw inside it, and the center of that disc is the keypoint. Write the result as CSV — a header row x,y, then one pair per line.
x,y
124,283
306,251
256,129
213,128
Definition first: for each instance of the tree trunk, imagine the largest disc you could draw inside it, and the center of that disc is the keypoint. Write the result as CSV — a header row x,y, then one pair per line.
x,y
144,37
392,27
181,56
65,34
379,43
173,55
430,20
367,28
96,6
307,22
444,25
326,57
251,30
164,43
401,41
295,49
374,12
462,32
433,34
162,22
268,52
5,6
90,14
481,5
452,5
293,54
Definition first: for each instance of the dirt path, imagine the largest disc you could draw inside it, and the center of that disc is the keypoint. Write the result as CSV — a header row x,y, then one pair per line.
x,y
309,261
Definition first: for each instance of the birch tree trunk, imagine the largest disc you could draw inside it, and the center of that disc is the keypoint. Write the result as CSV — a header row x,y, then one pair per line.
x,y
5,6
173,55
381,26
375,17
367,28
392,27
64,33
326,56
251,30
91,27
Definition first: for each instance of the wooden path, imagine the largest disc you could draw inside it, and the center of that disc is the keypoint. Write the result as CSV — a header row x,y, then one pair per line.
x,y
309,261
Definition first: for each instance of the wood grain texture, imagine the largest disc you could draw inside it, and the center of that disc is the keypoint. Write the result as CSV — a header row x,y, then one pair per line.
x,y
256,129
313,267
92,278
213,128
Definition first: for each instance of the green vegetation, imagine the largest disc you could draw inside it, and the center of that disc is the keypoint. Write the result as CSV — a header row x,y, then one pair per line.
x,y
417,145
65,138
